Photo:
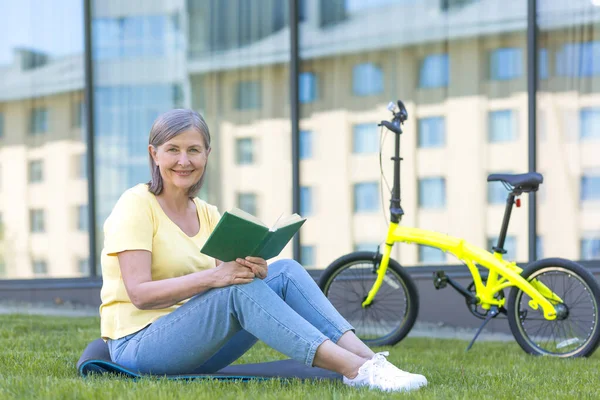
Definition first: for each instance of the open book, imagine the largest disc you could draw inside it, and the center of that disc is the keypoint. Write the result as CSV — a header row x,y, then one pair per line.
x,y
239,234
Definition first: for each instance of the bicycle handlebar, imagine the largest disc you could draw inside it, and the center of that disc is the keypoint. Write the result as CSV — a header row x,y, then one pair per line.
x,y
398,119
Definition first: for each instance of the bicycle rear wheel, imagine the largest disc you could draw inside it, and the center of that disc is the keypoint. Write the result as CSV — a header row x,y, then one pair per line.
x,y
388,319
575,331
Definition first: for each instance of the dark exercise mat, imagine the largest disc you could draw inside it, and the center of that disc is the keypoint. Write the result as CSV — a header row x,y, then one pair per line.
x,y
96,360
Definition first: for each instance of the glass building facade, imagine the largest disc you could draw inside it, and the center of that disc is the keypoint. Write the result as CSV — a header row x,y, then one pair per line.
x,y
460,66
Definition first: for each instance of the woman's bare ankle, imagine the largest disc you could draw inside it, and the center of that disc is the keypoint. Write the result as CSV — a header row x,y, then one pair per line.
x,y
353,371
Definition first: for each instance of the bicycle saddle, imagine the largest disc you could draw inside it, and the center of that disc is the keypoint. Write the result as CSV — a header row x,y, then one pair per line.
x,y
522,182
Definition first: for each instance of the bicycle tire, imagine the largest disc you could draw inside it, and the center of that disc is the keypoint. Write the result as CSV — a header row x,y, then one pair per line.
x,y
547,340
371,325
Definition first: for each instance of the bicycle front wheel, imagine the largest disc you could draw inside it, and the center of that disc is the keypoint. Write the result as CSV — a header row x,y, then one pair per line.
x,y
575,331
347,281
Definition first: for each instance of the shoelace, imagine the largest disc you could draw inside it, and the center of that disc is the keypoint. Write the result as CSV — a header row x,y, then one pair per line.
x,y
380,371
380,359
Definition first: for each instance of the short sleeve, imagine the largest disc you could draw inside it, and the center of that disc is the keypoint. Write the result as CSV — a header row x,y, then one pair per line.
x,y
130,225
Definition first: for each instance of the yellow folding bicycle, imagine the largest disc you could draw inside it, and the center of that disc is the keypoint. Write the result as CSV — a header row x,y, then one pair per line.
x,y
552,307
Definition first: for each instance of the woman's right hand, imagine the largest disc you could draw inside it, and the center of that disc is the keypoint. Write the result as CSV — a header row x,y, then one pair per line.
x,y
232,273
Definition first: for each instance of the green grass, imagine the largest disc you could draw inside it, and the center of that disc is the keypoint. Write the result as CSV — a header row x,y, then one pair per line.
x,y
38,357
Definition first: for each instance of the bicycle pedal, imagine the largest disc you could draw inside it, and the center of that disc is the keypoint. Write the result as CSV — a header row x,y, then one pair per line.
x,y
440,280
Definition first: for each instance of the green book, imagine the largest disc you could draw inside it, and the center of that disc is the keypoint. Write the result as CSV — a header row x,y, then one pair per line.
x,y
239,234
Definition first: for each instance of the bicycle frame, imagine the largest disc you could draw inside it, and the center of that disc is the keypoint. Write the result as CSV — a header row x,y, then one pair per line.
x,y
503,274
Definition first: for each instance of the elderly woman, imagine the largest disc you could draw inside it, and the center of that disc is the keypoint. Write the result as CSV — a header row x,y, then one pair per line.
x,y
169,309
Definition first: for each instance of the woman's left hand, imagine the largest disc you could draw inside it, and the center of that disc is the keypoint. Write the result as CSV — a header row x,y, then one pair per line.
x,y
256,264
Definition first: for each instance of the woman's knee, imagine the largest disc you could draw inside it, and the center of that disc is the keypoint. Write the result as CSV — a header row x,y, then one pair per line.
x,y
286,266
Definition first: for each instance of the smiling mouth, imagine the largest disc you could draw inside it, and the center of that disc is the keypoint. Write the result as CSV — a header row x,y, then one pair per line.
x,y
183,173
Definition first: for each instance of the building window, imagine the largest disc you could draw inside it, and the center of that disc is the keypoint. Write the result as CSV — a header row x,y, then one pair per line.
x,y
244,151
590,188
134,37
365,138
178,95
366,197
431,255
590,248
82,166
432,132
367,79
306,201
1,125
36,221
36,171
247,202
306,145
40,267
248,95
506,64
366,246
578,59
83,266
543,64
82,218
307,253
510,245
432,193
38,121
589,123
78,114
435,71
307,87
502,126
496,191
539,247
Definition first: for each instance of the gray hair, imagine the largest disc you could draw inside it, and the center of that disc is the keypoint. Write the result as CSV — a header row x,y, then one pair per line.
x,y
165,128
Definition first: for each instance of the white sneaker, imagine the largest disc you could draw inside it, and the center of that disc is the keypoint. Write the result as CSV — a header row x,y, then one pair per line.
x,y
379,373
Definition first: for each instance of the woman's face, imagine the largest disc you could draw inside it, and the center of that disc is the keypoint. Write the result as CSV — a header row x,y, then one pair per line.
x,y
182,159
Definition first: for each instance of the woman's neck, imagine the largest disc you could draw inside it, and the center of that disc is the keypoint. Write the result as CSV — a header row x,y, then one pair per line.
x,y
174,200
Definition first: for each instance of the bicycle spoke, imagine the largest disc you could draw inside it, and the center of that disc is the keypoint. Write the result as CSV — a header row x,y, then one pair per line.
x,y
560,336
387,311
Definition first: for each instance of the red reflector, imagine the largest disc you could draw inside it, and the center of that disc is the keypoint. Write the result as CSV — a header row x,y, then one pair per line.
x,y
518,202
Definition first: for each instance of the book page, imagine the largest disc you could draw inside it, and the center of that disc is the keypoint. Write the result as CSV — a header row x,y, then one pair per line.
x,y
290,219
247,216
276,224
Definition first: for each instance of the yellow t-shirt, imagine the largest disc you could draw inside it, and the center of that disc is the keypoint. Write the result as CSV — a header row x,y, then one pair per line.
x,y
137,222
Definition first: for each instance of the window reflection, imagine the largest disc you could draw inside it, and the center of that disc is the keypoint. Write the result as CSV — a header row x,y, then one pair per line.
x,y
366,197
367,79
432,132
589,119
578,59
308,87
590,248
306,145
432,193
365,138
502,126
464,86
568,155
306,201
41,136
435,71
135,36
506,63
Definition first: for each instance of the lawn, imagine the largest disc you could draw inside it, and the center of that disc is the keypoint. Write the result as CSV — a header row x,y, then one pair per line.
x,y
39,354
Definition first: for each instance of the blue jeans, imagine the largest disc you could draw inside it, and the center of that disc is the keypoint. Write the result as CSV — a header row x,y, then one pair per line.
x,y
286,310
